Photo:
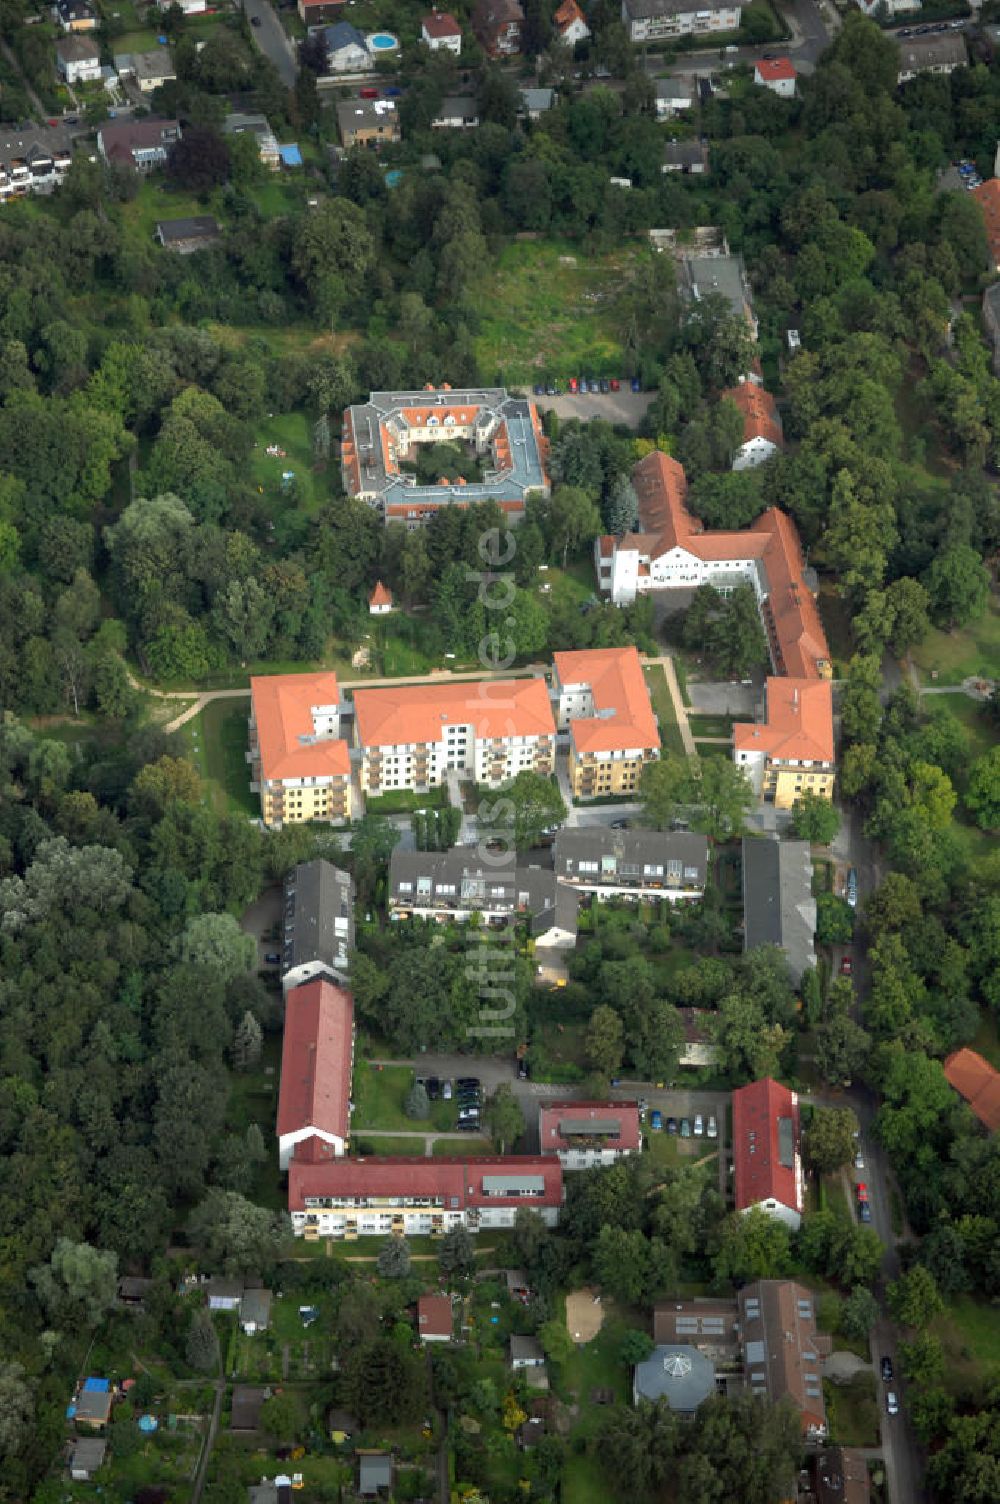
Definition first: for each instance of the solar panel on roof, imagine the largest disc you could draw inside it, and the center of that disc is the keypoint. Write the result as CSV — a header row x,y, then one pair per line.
x,y
756,1352
805,1308
713,1324
752,1308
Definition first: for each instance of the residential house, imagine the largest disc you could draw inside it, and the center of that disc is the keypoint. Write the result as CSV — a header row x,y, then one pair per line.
x,y
631,863
417,736
585,1134
569,24
458,112
707,1324
318,924
530,1432
778,904
783,1350
526,1352
767,1151
762,435
86,1457
505,433
224,1294
651,20
792,748
941,53
140,144
441,32
246,1406
978,1082
78,59
75,15
714,270
680,1374
602,700
317,12
33,161
148,69
689,157
132,1291
258,126
380,600
991,316
188,7
317,1060
367,122
435,1319
374,1474
841,1476
776,74
346,49
888,8
299,762
91,1410
453,885
497,25
536,102
674,96
790,751
987,196
330,1197
199,233
255,1311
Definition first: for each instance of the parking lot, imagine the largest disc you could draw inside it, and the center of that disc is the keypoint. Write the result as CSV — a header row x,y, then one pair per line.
x,y
625,407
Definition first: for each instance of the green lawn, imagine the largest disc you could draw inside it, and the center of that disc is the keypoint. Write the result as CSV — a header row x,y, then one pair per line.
x,y
852,1411
954,656
379,1095
549,311
976,1330
291,432
216,741
711,725
404,802
453,1148
979,734
663,705
369,1142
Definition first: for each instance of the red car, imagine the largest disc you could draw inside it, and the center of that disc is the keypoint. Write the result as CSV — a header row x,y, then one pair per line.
x,y
846,966
572,383
862,1191
615,384
367,93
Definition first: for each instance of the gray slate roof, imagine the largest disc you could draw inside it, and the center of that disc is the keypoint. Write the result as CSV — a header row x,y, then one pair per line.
x,y
685,154
681,1375
197,227
617,850
501,889
320,926
778,905
947,50
526,1349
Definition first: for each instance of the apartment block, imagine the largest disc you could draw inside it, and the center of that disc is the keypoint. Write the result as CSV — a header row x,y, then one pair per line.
x,y
767,1151
329,1197
317,1061
586,1134
631,863
454,885
299,762
651,20
603,703
412,736
318,924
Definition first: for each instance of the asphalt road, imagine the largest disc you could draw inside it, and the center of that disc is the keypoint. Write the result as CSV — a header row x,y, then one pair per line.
x,y
272,39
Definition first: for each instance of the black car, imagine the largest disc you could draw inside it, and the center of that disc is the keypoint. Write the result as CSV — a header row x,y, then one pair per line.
x,y
886,1370
671,1125
619,825
272,958
522,1070
433,1088
469,1098
468,1125
539,389
605,384
467,1081
255,20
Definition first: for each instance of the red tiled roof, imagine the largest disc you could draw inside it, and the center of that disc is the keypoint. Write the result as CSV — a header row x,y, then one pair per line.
x,y
316,1060
440,24
771,69
760,1173
282,710
987,196
760,412
553,1114
381,595
434,1317
616,684
978,1082
799,722
456,1183
567,13
419,713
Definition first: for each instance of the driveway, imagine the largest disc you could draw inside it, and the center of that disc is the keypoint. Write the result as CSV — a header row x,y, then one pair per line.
x,y
272,39
628,408
259,920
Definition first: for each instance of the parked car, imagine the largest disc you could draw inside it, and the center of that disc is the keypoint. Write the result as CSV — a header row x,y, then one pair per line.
x,y
861,1190
539,389
699,1126
446,1091
886,1370
685,1127
635,384
859,1160
255,20
605,385
573,385
619,825
851,890
272,958
892,1403
583,386
656,1121
846,966
522,1070
551,389
468,1125
713,1127
367,93
393,92
643,1104
671,1125
864,1211
462,1081
433,1088
615,384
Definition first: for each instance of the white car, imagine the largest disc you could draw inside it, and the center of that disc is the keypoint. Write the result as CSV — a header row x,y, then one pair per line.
x,y
713,1128
699,1126
859,1160
892,1403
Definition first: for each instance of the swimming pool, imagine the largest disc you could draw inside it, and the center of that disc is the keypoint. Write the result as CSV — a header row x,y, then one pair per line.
x,y
383,41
